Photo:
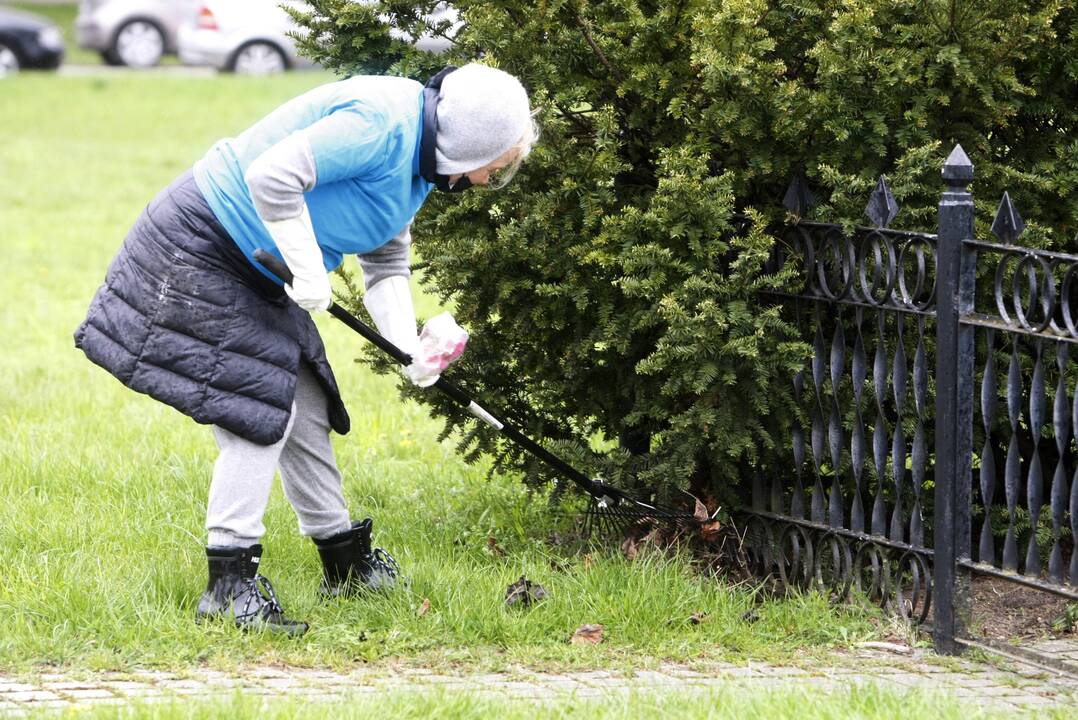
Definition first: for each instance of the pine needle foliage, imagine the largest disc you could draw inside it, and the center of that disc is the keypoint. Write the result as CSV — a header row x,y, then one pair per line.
x,y
613,291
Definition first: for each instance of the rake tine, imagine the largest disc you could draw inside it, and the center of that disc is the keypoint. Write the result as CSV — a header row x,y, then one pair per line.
x,y
604,525
622,520
611,521
590,520
614,521
595,519
616,518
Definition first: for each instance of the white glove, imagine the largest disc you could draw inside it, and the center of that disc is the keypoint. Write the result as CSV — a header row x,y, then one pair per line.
x,y
389,302
294,237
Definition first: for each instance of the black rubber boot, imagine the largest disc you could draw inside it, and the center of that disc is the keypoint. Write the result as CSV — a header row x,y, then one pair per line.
x,y
237,592
349,565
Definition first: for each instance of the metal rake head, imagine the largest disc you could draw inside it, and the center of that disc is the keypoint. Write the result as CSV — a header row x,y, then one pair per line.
x,y
613,512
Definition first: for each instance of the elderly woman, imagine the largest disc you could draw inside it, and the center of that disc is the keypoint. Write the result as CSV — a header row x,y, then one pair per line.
x,y
187,316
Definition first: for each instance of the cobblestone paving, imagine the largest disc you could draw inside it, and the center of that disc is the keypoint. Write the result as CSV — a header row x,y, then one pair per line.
x,y
1019,687
1063,650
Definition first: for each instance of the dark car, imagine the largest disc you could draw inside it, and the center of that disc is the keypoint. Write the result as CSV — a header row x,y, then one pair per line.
x,y
28,41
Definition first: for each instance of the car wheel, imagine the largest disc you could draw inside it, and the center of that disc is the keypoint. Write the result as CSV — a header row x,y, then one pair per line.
x,y
9,61
139,44
109,58
258,58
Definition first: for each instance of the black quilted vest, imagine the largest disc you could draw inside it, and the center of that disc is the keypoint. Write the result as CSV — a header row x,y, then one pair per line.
x,y
184,318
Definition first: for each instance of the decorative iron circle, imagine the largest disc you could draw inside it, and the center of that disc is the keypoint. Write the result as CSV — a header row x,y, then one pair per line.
x,y
1056,310
760,546
804,250
833,568
923,293
1068,288
1047,297
795,557
884,268
915,602
873,557
835,265
997,289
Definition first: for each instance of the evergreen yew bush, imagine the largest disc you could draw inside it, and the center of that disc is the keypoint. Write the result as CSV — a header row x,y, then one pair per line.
x,y
612,289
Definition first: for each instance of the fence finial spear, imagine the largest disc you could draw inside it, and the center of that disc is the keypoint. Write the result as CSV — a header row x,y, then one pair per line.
x,y
882,207
958,168
798,197
1008,225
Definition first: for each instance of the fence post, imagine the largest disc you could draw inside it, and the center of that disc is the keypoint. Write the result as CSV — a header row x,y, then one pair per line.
x,y
956,265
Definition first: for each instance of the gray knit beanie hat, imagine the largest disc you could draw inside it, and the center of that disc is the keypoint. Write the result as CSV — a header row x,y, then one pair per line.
x,y
482,113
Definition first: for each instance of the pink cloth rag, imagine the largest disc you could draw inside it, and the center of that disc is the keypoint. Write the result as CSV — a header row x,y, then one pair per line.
x,y
441,341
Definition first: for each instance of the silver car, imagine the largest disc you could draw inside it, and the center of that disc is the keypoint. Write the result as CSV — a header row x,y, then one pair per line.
x,y
136,33
253,37
249,37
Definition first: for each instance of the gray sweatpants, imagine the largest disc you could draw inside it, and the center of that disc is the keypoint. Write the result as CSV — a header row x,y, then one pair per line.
x,y
244,471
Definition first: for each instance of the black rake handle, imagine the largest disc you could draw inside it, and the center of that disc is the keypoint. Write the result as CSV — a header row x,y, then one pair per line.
x,y
594,488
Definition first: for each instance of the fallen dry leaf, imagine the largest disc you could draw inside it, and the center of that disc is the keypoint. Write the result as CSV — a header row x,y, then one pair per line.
x,y
710,531
587,635
494,548
697,618
629,547
588,561
524,592
423,608
700,514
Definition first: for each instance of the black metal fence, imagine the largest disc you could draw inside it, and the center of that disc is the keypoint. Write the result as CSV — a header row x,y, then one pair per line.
x,y
940,409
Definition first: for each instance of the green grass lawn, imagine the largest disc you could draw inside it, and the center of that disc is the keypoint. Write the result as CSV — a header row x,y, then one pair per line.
x,y
864,703
101,539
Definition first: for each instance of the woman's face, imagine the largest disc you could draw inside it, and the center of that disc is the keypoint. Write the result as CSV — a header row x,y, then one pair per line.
x,y
482,175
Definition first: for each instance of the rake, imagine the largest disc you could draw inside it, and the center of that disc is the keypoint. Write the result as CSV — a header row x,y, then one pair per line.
x,y
609,510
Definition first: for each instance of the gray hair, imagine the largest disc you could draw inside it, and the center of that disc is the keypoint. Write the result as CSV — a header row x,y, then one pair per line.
x,y
521,149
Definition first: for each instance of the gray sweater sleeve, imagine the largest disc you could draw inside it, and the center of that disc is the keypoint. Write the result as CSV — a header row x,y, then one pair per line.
x,y
279,176
388,260
277,180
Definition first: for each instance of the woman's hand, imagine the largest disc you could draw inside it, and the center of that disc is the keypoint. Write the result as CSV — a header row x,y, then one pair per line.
x,y
440,343
421,374
311,292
